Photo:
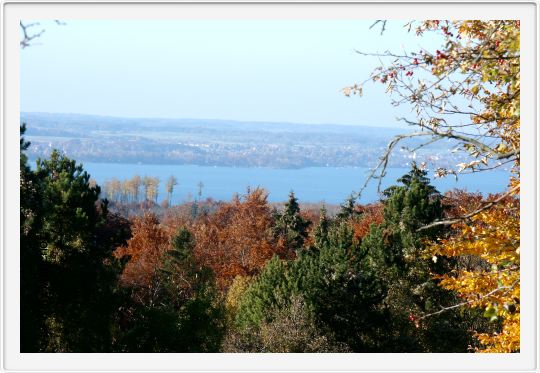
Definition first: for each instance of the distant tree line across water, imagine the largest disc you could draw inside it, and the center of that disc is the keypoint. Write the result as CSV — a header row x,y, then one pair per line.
x,y
141,189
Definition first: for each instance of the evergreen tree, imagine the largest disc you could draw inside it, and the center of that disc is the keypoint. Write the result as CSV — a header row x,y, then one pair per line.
x,y
67,277
290,226
395,252
32,311
347,209
328,278
191,290
268,290
321,231
185,315
292,328
78,284
343,297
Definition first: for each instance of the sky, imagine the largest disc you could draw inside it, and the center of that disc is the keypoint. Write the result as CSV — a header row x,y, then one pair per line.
x,y
264,70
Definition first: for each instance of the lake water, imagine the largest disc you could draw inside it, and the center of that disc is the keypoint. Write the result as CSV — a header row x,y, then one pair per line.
x,y
314,184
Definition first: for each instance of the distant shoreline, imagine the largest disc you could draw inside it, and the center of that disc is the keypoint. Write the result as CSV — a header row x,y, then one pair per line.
x,y
78,161
206,120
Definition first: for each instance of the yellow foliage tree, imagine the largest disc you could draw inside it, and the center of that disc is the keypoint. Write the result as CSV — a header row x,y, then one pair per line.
x,y
492,236
468,91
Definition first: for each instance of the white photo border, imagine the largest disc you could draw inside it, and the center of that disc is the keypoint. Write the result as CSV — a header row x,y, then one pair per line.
x,y
13,11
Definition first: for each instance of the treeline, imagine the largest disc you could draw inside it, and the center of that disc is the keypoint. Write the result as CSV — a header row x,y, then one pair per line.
x,y
138,189
244,277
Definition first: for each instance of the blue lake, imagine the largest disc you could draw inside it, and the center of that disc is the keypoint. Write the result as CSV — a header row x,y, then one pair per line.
x,y
314,184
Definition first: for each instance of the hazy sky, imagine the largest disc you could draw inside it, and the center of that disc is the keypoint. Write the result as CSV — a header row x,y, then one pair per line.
x,y
264,70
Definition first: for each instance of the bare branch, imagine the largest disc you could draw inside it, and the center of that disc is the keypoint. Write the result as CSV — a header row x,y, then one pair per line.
x,y
383,162
456,136
383,28
27,37
444,309
486,206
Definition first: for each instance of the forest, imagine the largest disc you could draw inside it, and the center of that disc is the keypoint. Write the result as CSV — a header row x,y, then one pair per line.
x,y
418,271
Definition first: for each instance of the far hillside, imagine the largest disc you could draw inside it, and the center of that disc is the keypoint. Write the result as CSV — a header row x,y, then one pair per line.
x,y
211,142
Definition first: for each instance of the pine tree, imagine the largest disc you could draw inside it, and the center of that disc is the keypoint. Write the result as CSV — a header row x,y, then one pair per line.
x,y
395,251
70,286
32,311
268,290
290,226
347,209
329,279
191,289
321,231
179,271
184,315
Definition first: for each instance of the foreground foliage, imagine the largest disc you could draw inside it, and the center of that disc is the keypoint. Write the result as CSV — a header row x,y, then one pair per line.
x,y
468,92
492,236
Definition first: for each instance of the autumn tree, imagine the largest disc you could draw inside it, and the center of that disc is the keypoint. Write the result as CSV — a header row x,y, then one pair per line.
x,y
116,190
143,254
151,188
169,187
234,294
128,190
468,91
237,239
135,186
488,247
371,214
124,191
107,190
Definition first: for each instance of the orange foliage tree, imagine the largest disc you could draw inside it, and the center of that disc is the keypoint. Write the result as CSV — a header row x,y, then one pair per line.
x,y
237,240
144,251
369,215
